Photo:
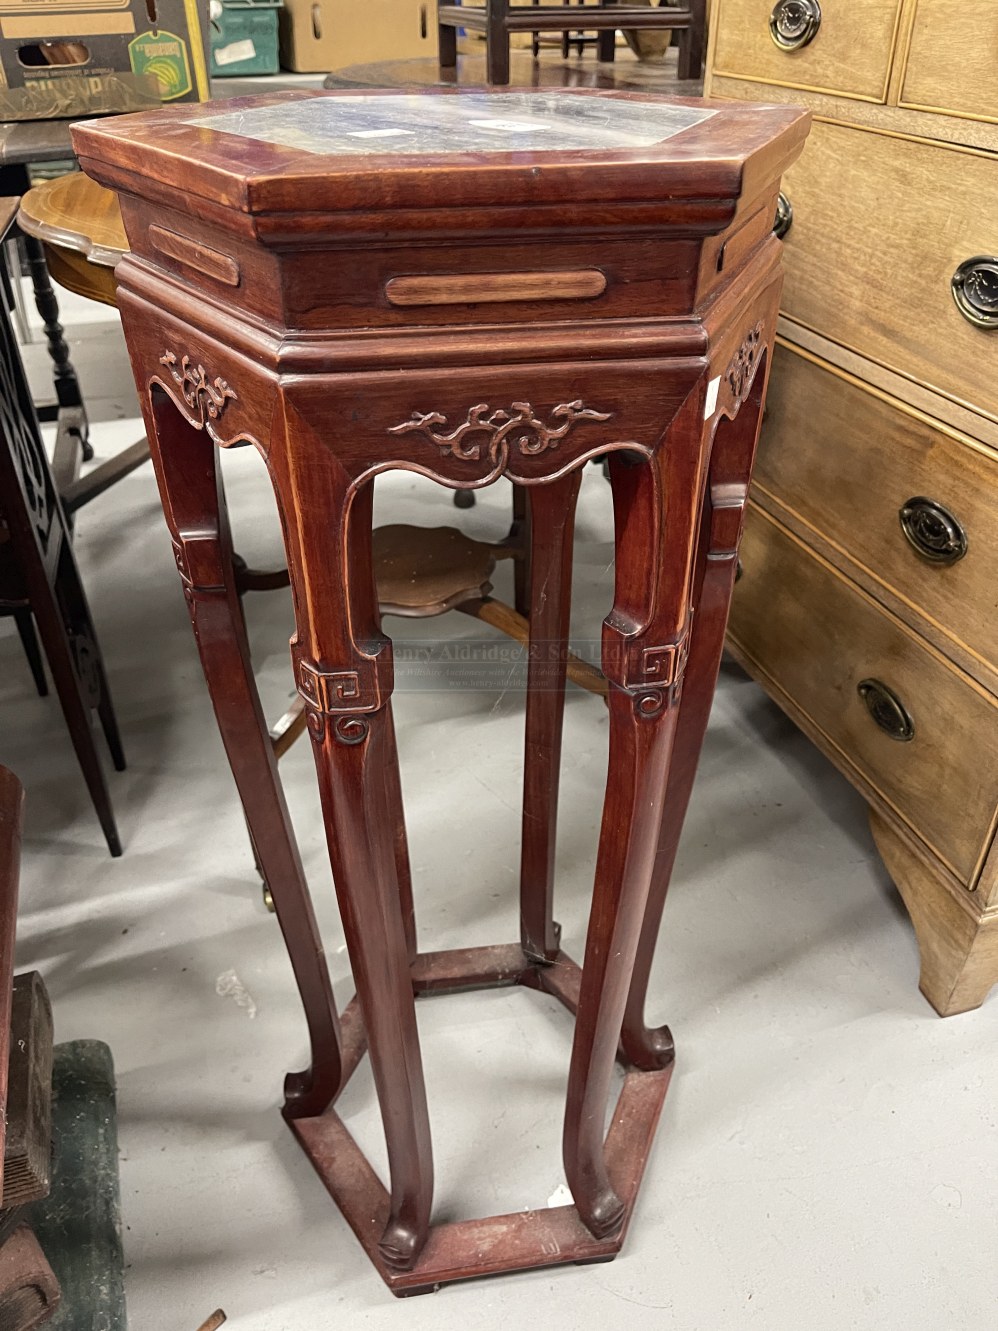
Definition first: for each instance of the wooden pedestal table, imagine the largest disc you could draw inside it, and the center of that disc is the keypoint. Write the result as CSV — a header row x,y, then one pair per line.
x,y
359,283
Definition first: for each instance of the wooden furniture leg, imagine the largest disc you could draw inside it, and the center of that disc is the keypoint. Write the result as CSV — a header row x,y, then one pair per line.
x,y
958,946
497,45
344,673
692,41
732,455
552,527
194,502
43,570
656,506
29,641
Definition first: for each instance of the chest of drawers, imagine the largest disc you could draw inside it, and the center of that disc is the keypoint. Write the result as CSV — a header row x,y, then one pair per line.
x,y
867,605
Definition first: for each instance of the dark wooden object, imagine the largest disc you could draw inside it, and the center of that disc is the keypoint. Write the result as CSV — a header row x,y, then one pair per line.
x,y
624,75
271,325
29,1292
11,816
27,1155
22,143
498,19
39,580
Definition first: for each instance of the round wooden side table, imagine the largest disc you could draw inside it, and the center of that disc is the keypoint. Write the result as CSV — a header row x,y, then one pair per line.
x,y
467,286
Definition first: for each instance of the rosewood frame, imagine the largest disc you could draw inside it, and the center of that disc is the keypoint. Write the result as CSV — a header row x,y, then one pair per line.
x,y
671,393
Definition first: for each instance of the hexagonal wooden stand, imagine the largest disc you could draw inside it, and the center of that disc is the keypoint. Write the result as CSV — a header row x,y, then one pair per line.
x,y
467,1249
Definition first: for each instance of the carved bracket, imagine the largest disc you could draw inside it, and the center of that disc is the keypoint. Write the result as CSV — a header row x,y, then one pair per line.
x,y
206,399
654,675
493,433
343,696
741,370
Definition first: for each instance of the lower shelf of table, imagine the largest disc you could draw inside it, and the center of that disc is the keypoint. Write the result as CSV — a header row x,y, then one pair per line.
x,y
491,1245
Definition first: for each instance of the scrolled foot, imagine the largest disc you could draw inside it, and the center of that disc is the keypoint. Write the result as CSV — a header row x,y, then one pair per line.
x,y
606,1215
651,1049
307,1095
400,1245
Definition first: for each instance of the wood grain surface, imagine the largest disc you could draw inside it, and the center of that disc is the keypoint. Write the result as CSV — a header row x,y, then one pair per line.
x,y
952,59
799,622
870,264
845,458
851,53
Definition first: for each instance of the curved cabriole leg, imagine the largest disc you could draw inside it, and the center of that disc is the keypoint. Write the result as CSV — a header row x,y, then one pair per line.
x,y
194,502
344,671
551,526
655,511
731,459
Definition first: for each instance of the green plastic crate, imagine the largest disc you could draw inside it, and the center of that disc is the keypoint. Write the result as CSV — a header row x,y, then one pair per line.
x,y
244,38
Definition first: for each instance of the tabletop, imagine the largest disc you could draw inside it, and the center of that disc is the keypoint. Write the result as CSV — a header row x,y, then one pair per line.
x,y
441,151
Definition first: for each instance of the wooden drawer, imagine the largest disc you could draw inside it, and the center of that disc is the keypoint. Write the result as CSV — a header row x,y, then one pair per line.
x,y
951,64
850,54
880,225
817,637
847,460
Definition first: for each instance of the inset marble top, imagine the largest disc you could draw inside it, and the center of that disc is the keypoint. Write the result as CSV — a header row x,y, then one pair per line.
x,y
479,122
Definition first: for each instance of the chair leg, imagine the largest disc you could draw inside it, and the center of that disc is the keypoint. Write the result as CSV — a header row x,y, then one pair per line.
x,y
497,44
65,658
29,641
446,45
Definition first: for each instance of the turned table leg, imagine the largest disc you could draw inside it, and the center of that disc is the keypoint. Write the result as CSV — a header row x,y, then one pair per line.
x,y
551,525
194,502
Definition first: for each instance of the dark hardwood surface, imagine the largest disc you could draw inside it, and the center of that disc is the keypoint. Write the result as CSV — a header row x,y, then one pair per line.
x,y
260,305
624,74
40,583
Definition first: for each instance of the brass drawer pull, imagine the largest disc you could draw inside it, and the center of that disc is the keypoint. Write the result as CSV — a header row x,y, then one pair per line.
x,y
975,290
794,23
784,216
932,530
887,710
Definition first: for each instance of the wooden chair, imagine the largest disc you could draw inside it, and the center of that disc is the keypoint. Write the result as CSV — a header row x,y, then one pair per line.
x,y
39,580
499,19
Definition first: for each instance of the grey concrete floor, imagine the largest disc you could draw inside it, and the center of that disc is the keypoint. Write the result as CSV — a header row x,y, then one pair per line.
x,y
827,1156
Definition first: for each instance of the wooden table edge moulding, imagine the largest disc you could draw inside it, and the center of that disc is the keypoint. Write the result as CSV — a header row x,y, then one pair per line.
x,y
350,310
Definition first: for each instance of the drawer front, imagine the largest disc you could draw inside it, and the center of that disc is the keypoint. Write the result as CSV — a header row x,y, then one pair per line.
x,y
849,52
952,59
881,225
914,505
819,639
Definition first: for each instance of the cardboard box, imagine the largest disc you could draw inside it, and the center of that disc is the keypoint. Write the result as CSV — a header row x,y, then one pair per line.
x,y
318,36
61,58
244,38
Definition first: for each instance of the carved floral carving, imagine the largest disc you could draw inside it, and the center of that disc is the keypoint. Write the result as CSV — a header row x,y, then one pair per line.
x,y
208,399
741,371
496,431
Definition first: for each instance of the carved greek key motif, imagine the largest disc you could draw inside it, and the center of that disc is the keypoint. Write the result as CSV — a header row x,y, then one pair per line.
x,y
208,398
741,371
493,433
664,668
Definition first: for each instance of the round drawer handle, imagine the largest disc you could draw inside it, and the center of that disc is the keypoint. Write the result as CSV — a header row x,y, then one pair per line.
x,y
784,216
794,23
932,530
887,710
975,290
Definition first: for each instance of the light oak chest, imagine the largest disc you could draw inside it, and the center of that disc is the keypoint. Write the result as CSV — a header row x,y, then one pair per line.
x,y
867,605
